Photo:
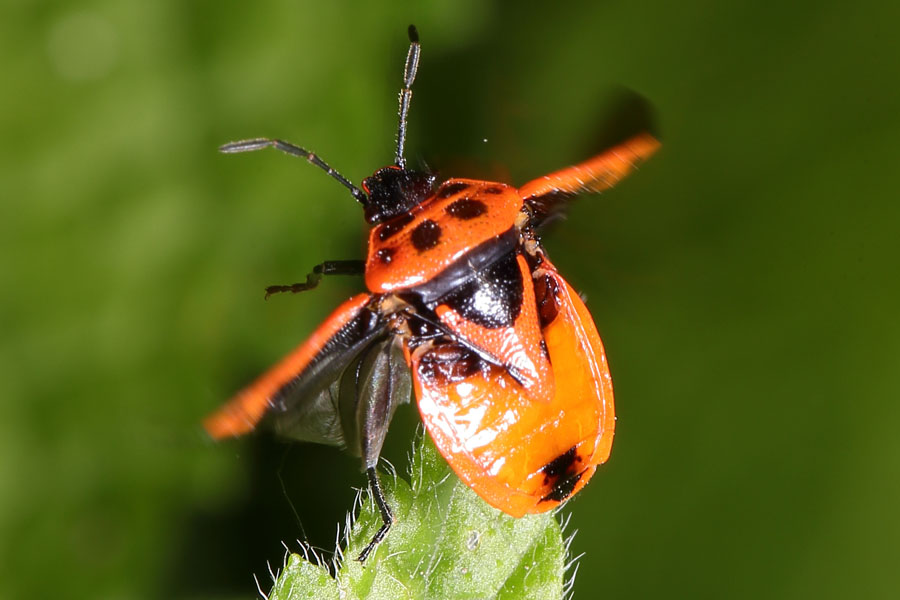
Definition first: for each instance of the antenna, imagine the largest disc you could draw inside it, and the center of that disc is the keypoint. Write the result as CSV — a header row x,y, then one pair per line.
x,y
409,75
288,148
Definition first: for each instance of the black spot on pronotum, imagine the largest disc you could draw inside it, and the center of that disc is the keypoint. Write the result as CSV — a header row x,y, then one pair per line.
x,y
385,255
494,189
426,235
393,227
448,363
451,189
466,208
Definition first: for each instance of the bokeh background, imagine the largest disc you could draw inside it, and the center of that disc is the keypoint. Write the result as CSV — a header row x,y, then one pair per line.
x,y
745,281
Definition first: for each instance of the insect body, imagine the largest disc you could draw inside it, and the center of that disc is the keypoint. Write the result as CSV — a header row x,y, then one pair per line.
x,y
464,309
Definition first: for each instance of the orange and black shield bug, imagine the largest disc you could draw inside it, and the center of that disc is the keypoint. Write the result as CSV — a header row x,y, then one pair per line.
x,y
464,309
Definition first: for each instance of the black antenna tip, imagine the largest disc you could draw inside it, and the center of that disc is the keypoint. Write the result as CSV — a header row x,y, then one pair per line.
x,y
413,34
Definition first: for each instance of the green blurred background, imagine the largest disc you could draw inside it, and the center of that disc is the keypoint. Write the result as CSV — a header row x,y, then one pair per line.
x,y
745,281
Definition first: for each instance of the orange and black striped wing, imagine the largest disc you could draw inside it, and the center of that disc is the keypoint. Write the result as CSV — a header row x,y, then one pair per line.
x,y
519,455
294,394
546,194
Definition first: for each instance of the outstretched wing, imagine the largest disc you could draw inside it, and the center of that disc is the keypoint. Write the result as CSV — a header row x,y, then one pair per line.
x,y
296,393
544,195
519,455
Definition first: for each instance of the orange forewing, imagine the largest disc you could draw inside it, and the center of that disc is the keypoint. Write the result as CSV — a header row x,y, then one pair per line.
x,y
501,443
245,410
596,174
517,347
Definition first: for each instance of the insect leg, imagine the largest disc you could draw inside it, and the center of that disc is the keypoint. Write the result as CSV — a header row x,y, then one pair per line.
x,y
386,516
288,148
329,267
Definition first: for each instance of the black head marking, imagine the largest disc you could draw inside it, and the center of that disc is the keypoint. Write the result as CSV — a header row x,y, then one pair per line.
x,y
426,235
466,208
393,191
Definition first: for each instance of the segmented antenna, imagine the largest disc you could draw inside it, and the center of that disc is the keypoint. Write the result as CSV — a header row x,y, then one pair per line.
x,y
409,75
288,148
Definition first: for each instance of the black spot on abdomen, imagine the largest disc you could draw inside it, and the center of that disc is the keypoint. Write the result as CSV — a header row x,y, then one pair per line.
x,y
563,488
562,475
426,235
558,465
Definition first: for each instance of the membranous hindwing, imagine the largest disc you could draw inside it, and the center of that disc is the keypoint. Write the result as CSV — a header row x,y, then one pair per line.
x,y
368,394
522,456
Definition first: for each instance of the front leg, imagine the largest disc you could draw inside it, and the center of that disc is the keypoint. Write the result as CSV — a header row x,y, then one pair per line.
x,y
329,267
